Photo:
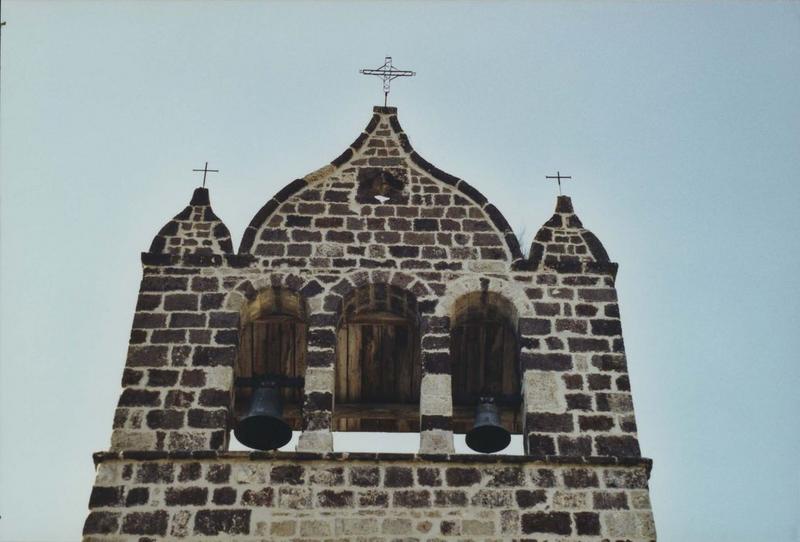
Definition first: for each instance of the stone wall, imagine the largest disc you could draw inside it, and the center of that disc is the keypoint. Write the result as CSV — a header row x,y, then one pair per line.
x,y
373,497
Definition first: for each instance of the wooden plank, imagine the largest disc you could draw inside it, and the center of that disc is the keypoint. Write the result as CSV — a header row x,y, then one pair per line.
x,y
342,359
404,362
355,346
370,363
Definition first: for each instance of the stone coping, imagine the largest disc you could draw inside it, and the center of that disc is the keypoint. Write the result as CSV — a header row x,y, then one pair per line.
x,y
150,455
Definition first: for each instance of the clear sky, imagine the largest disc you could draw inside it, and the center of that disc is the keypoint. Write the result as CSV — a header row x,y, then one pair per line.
x,y
680,123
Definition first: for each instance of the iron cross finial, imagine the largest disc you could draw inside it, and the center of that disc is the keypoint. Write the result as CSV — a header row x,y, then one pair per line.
x,y
206,171
387,72
558,176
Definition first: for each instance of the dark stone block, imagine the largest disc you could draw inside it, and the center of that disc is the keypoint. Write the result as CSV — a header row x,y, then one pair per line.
x,y
287,474
105,496
148,302
137,496
450,498
505,477
131,377
227,336
549,423
186,496
460,477
213,356
365,476
575,446
546,522
426,224
528,499
101,523
587,523
154,473
625,478
429,477
580,478
618,446
228,522
606,327
165,419
607,500
372,498
547,309
578,401
546,362
318,401
543,478
534,326
599,382
224,496
412,499
153,283
168,336
335,499
208,419
179,399
211,301
189,472
540,445
205,284
187,319
149,320
224,320
623,383
218,474
136,397
597,294
398,477
145,523
587,345
595,423
261,497
215,398
436,362
181,302
162,377
610,362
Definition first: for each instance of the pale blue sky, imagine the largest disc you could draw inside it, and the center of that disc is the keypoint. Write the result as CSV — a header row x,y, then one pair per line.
x,y
679,121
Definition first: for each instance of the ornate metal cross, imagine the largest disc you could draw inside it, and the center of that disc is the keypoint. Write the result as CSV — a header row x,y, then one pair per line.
x,y
206,171
387,72
558,176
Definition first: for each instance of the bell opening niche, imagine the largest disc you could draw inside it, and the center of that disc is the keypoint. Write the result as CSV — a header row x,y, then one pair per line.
x,y
378,362
272,349
484,349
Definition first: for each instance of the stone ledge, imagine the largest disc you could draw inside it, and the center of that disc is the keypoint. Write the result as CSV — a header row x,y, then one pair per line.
x,y
148,455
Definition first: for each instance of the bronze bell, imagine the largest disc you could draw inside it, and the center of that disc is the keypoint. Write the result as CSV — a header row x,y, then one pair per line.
x,y
487,435
263,428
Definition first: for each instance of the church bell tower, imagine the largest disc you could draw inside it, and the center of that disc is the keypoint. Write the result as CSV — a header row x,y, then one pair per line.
x,y
376,294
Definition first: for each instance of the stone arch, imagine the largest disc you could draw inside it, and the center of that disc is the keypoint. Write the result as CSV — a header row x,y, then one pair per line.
x,y
513,292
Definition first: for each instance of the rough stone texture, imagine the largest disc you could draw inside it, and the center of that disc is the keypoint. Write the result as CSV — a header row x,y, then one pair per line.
x,y
379,497
325,237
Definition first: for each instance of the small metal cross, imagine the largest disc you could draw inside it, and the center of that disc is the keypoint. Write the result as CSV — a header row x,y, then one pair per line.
x,y
387,72
206,171
558,176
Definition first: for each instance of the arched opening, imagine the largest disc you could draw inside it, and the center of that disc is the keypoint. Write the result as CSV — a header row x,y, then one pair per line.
x,y
272,342
378,370
484,349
